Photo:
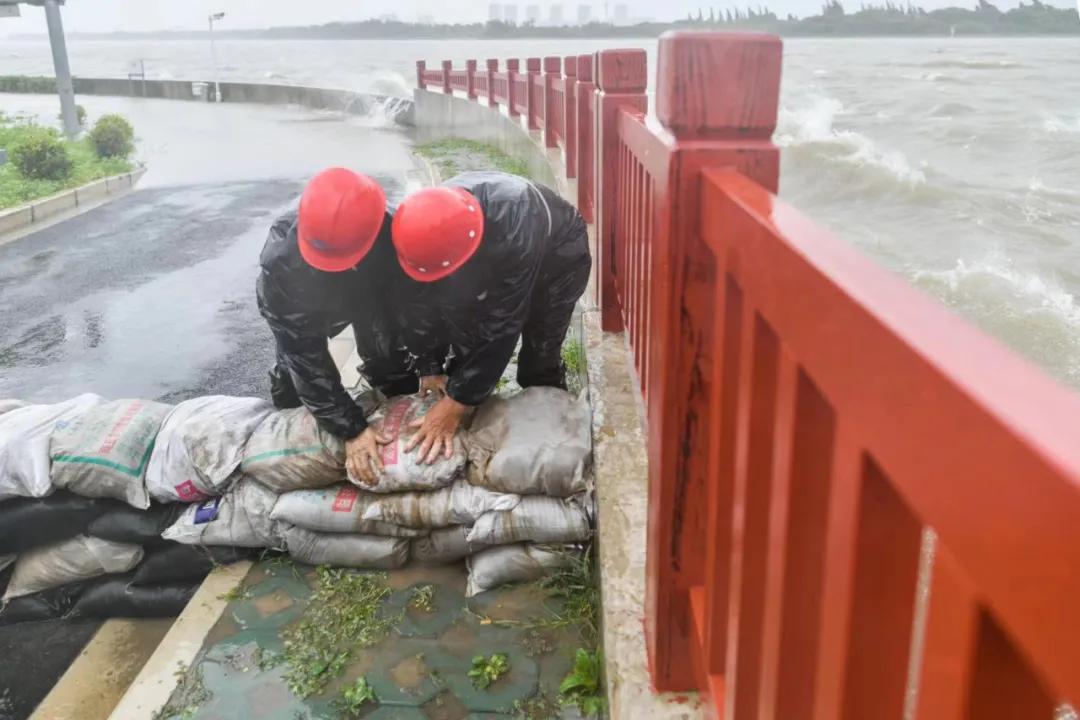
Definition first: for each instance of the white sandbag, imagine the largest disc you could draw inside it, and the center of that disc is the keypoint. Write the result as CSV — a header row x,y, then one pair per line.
x,y
80,558
459,504
6,560
355,551
103,452
495,567
240,518
200,445
289,451
24,445
537,442
337,509
442,546
536,519
402,471
7,406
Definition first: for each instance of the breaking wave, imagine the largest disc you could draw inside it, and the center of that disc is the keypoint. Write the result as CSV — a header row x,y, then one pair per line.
x,y
812,128
972,64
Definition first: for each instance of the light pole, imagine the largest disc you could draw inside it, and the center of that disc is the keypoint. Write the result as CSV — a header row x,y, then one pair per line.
x,y
213,53
60,58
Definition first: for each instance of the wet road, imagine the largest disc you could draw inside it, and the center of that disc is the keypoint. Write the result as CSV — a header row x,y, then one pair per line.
x,y
152,295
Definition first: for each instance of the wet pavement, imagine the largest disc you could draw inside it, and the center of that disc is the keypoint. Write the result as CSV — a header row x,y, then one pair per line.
x,y
152,295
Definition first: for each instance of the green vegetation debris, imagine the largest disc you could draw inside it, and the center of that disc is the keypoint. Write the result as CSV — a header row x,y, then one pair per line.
x,y
538,707
354,697
573,357
576,587
236,594
487,670
189,694
342,616
422,598
581,686
456,155
83,166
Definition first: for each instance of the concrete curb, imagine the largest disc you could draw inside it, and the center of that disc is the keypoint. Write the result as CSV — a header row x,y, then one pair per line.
x,y
19,218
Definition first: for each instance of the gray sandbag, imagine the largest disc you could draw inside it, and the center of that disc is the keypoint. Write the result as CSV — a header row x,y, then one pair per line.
x,y
200,446
47,605
537,442
27,523
79,558
337,509
118,598
404,471
176,563
240,518
443,546
103,452
289,451
498,566
124,524
342,550
24,445
7,406
458,504
536,519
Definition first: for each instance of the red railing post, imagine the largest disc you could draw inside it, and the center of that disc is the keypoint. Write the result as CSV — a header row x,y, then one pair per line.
x,y
622,78
492,69
470,79
447,68
570,64
513,69
421,68
533,67
691,484
552,70
586,159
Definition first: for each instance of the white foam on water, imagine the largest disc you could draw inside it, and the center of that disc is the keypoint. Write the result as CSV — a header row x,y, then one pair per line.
x,y
814,125
1055,124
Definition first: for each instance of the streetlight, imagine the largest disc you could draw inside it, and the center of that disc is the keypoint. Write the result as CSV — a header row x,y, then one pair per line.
x,y
60,59
213,53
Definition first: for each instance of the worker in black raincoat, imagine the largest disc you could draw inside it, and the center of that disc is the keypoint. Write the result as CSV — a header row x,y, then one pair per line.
x,y
494,258
326,266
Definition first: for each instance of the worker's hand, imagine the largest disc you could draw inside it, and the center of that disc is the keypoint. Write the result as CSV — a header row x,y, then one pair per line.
x,y
435,431
362,458
433,384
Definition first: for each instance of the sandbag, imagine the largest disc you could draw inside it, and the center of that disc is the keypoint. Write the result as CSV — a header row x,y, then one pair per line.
x,y
495,567
79,558
335,509
118,598
536,442
536,519
7,406
341,550
200,445
124,524
6,560
103,452
27,523
442,546
458,504
289,451
240,518
24,445
48,605
175,563
402,471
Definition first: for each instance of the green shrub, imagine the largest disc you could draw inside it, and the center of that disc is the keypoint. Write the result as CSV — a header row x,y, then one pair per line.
x,y
113,136
27,84
80,114
40,154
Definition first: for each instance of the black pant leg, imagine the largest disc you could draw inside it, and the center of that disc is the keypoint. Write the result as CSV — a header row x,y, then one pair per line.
x,y
282,391
386,362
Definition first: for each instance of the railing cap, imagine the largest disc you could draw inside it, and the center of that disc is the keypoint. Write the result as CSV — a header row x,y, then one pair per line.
x,y
585,68
493,63
570,65
623,71
422,64
714,83
448,64
552,65
534,64
513,65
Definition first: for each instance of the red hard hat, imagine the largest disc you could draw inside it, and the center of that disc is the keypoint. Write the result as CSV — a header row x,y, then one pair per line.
x,y
341,213
436,231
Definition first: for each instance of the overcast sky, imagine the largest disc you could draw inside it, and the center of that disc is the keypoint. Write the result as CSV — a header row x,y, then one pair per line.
x,y
132,15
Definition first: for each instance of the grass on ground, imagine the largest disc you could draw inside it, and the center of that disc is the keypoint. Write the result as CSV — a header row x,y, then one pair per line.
x,y
86,167
456,155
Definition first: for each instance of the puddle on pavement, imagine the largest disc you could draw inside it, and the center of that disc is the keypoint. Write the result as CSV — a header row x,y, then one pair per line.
x,y
420,670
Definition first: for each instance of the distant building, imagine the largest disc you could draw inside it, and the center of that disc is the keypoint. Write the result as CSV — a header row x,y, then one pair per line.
x,y
532,14
510,14
555,18
584,14
495,12
426,20
389,17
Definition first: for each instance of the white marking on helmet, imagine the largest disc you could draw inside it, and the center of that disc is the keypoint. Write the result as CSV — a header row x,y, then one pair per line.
x,y
472,233
446,263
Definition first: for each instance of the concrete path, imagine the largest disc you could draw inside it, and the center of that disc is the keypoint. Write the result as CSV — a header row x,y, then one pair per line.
x,y
153,295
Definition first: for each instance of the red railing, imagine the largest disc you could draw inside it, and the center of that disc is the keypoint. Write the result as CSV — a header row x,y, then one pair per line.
x,y
809,416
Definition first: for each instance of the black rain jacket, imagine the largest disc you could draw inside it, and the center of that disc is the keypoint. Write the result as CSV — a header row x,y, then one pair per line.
x,y
305,306
480,310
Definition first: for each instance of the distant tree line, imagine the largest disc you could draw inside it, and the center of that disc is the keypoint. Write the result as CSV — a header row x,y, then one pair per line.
x,y
891,19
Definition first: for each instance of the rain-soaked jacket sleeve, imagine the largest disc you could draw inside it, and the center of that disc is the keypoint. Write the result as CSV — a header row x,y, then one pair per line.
x,y
303,349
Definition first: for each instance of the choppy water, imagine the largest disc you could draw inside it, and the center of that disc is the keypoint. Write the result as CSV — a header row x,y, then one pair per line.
x,y
956,162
